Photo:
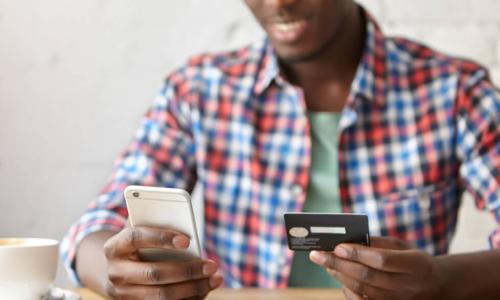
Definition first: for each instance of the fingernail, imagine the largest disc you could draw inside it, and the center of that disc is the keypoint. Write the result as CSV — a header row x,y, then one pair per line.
x,y
317,257
215,281
209,268
180,241
341,251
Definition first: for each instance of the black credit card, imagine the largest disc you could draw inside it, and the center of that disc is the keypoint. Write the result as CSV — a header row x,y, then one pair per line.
x,y
323,231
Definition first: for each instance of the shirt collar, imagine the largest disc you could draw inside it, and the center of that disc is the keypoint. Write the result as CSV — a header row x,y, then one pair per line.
x,y
369,81
268,68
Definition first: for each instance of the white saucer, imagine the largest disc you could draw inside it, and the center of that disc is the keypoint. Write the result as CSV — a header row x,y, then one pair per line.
x,y
61,294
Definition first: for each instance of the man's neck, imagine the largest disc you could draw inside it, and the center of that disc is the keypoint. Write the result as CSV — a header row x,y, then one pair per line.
x,y
333,70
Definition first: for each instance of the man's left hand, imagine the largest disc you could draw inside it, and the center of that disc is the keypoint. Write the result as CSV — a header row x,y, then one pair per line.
x,y
389,269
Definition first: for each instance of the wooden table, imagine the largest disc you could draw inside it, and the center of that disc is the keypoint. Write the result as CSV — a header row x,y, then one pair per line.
x,y
255,294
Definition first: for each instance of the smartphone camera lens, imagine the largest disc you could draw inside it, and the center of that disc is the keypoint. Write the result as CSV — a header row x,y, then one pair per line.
x,y
135,194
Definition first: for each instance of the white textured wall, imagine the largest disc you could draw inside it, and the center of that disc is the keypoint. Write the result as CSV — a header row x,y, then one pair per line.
x,y
75,76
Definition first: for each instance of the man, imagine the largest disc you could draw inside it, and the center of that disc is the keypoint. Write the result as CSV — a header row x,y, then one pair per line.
x,y
325,114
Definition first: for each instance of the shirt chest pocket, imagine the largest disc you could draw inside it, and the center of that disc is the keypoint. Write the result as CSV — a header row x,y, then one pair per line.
x,y
425,217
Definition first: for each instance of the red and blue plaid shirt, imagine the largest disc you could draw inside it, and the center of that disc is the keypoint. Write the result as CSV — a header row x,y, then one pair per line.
x,y
418,128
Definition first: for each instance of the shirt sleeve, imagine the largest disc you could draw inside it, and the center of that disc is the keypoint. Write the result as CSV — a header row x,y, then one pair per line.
x,y
478,144
161,154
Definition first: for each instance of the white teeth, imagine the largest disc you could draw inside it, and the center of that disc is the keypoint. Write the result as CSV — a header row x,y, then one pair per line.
x,y
290,26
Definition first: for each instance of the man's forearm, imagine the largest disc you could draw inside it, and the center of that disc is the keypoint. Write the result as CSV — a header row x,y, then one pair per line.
x,y
472,275
91,263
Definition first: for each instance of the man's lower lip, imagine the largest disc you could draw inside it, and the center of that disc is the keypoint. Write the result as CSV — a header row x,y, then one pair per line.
x,y
291,35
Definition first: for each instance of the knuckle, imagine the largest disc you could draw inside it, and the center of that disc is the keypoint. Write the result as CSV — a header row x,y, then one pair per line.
x,y
114,276
382,261
202,287
109,249
331,272
336,264
165,293
365,274
191,270
330,262
358,287
152,274
165,238
133,236
353,254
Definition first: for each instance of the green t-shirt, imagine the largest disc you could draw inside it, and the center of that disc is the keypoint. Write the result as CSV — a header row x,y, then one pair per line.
x,y
322,194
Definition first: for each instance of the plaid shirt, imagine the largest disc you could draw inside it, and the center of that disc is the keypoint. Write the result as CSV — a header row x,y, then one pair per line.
x,y
418,128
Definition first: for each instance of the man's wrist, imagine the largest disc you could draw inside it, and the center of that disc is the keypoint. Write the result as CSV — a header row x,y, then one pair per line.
x,y
469,276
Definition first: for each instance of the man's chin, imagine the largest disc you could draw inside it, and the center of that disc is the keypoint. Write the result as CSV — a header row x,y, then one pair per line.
x,y
296,56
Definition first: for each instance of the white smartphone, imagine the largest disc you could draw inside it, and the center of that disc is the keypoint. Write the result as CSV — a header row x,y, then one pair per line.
x,y
163,208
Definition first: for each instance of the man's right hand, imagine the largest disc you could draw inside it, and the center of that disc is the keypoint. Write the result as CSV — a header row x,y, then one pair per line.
x,y
131,278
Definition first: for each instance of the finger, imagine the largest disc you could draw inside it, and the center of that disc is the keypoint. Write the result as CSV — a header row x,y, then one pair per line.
x,y
350,295
363,273
360,290
198,297
400,261
389,243
184,290
161,273
129,240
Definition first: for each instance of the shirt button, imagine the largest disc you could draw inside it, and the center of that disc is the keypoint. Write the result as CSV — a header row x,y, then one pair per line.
x,y
424,202
296,190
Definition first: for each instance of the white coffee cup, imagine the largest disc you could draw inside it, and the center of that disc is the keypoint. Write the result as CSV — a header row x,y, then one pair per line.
x,y
28,267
